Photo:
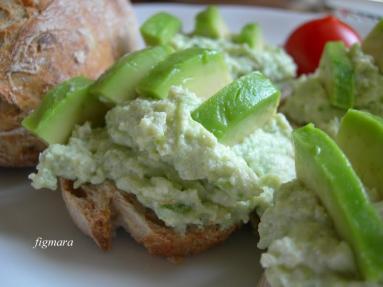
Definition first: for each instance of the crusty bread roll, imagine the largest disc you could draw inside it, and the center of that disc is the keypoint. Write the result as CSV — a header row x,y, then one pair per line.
x,y
99,210
43,42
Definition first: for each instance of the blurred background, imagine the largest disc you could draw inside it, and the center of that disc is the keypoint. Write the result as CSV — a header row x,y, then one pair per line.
x,y
355,8
286,4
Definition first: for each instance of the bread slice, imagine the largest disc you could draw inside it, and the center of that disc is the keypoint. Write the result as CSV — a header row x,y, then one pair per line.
x,y
44,42
98,210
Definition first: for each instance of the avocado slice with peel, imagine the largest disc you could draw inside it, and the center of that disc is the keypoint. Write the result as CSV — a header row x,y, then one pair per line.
x,y
201,71
209,23
361,138
323,167
66,105
239,108
373,44
160,28
337,74
119,82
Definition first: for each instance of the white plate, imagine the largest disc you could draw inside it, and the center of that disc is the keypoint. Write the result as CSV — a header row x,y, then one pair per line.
x,y
26,214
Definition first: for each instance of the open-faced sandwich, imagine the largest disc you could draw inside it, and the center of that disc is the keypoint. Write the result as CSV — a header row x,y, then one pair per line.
x,y
325,228
179,173
45,42
166,145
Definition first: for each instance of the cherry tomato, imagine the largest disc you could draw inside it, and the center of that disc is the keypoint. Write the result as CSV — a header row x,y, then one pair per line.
x,y
305,44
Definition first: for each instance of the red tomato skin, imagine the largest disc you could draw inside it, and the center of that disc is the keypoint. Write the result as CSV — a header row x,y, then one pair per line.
x,y
306,43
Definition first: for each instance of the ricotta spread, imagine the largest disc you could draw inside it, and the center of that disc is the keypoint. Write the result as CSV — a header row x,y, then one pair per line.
x,y
176,167
309,101
303,246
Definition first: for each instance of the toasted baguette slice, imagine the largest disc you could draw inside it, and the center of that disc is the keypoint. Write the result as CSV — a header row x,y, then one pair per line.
x,y
98,210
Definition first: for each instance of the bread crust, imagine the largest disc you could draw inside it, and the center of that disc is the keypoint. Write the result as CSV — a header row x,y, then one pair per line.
x,y
98,210
44,42
18,148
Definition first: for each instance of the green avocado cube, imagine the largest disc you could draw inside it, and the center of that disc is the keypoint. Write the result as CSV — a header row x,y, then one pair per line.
x,y
373,44
119,82
337,74
251,34
361,138
201,71
209,23
66,105
160,29
238,109
323,168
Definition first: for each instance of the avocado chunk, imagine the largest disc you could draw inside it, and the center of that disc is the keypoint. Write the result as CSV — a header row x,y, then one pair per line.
x,y
373,44
209,23
322,167
66,105
238,109
160,29
251,34
119,82
361,138
201,71
337,75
